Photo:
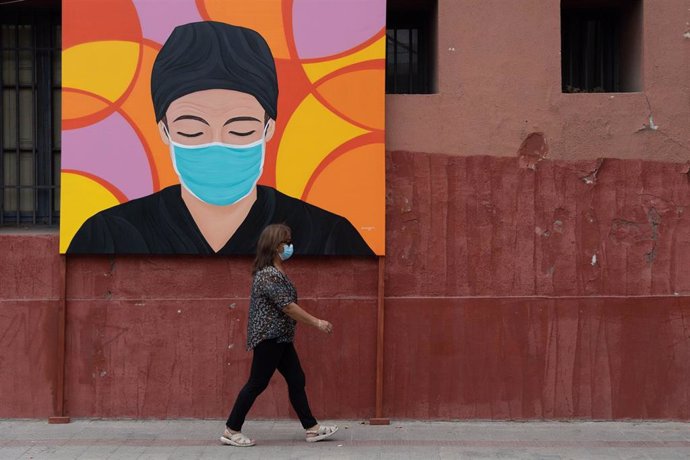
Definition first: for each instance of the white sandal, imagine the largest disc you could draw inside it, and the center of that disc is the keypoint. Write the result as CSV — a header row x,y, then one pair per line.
x,y
236,439
324,431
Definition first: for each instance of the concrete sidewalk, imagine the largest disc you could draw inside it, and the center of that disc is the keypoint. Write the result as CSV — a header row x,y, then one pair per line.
x,y
198,439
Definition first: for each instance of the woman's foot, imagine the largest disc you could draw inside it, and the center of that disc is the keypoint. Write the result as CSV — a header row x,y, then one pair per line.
x,y
321,432
235,438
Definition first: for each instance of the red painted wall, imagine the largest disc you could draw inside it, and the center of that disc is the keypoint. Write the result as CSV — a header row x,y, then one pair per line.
x,y
498,309
494,308
487,226
165,337
29,298
538,358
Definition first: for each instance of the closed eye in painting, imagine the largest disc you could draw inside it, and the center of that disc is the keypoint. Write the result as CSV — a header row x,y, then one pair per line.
x,y
190,135
242,121
248,133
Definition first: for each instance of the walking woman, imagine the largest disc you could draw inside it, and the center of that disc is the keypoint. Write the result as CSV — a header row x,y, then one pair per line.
x,y
273,314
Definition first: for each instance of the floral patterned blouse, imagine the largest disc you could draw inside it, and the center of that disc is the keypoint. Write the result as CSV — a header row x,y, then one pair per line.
x,y
272,291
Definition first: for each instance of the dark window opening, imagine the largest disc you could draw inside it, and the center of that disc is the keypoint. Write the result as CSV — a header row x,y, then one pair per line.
x,y
30,43
410,46
601,43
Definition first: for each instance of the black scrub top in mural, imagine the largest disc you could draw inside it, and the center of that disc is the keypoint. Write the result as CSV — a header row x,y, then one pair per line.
x,y
272,291
161,224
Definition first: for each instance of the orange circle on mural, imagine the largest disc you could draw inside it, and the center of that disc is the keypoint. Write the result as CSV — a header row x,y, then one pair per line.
x,y
91,21
82,108
264,17
356,95
353,178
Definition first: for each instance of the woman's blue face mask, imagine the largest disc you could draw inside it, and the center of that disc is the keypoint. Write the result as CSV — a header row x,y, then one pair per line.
x,y
287,252
217,173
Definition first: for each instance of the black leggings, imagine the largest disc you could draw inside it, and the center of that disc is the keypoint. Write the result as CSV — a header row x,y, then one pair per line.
x,y
269,356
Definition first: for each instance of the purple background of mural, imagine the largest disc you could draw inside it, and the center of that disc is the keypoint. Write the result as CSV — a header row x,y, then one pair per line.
x,y
124,163
341,25
156,24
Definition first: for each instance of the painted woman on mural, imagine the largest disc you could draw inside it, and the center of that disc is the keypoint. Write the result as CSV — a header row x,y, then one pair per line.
x,y
215,95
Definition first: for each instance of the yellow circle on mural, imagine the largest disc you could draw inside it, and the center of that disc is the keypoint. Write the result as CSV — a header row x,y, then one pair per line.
x,y
311,134
105,68
86,197
316,70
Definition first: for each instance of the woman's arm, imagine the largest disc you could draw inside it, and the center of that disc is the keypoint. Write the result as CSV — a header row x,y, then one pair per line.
x,y
300,315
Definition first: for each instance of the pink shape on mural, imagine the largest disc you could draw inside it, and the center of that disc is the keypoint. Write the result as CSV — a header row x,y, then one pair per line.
x,y
340,25
110,149
158,19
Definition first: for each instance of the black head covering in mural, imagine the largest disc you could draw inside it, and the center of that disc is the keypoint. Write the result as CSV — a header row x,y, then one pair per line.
x,y
214,55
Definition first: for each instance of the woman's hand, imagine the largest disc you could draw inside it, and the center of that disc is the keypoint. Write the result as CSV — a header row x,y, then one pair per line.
x,y
296,312
324,326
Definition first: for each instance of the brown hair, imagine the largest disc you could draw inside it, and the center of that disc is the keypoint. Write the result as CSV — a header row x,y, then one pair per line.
x,y
270,238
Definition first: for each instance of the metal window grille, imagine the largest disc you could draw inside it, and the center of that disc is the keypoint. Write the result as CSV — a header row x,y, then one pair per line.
x,y
409,53
30,66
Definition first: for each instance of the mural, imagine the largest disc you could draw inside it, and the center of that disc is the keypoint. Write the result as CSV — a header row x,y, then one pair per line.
x,y
188,126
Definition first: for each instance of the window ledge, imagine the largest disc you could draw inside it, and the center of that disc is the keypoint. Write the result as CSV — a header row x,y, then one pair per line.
x,y
412,94
37,230
620,93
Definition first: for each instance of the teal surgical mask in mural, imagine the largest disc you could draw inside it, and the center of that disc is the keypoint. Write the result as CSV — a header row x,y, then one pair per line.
x,y
287,251
217,173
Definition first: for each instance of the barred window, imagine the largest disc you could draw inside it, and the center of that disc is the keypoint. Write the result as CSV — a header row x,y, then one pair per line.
x,y
601,42
410,44
30,42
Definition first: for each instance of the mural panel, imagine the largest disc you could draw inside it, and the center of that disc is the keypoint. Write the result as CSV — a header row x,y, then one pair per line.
x,y
188,126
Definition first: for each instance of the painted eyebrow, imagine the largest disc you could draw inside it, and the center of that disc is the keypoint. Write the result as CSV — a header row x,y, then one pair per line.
x,y
232,120
191,117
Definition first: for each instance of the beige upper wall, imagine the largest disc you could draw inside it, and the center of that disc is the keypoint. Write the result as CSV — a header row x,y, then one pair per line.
x,y
499,79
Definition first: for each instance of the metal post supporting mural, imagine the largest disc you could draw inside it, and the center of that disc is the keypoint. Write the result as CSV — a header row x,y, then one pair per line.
x,y
59,404
379,419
